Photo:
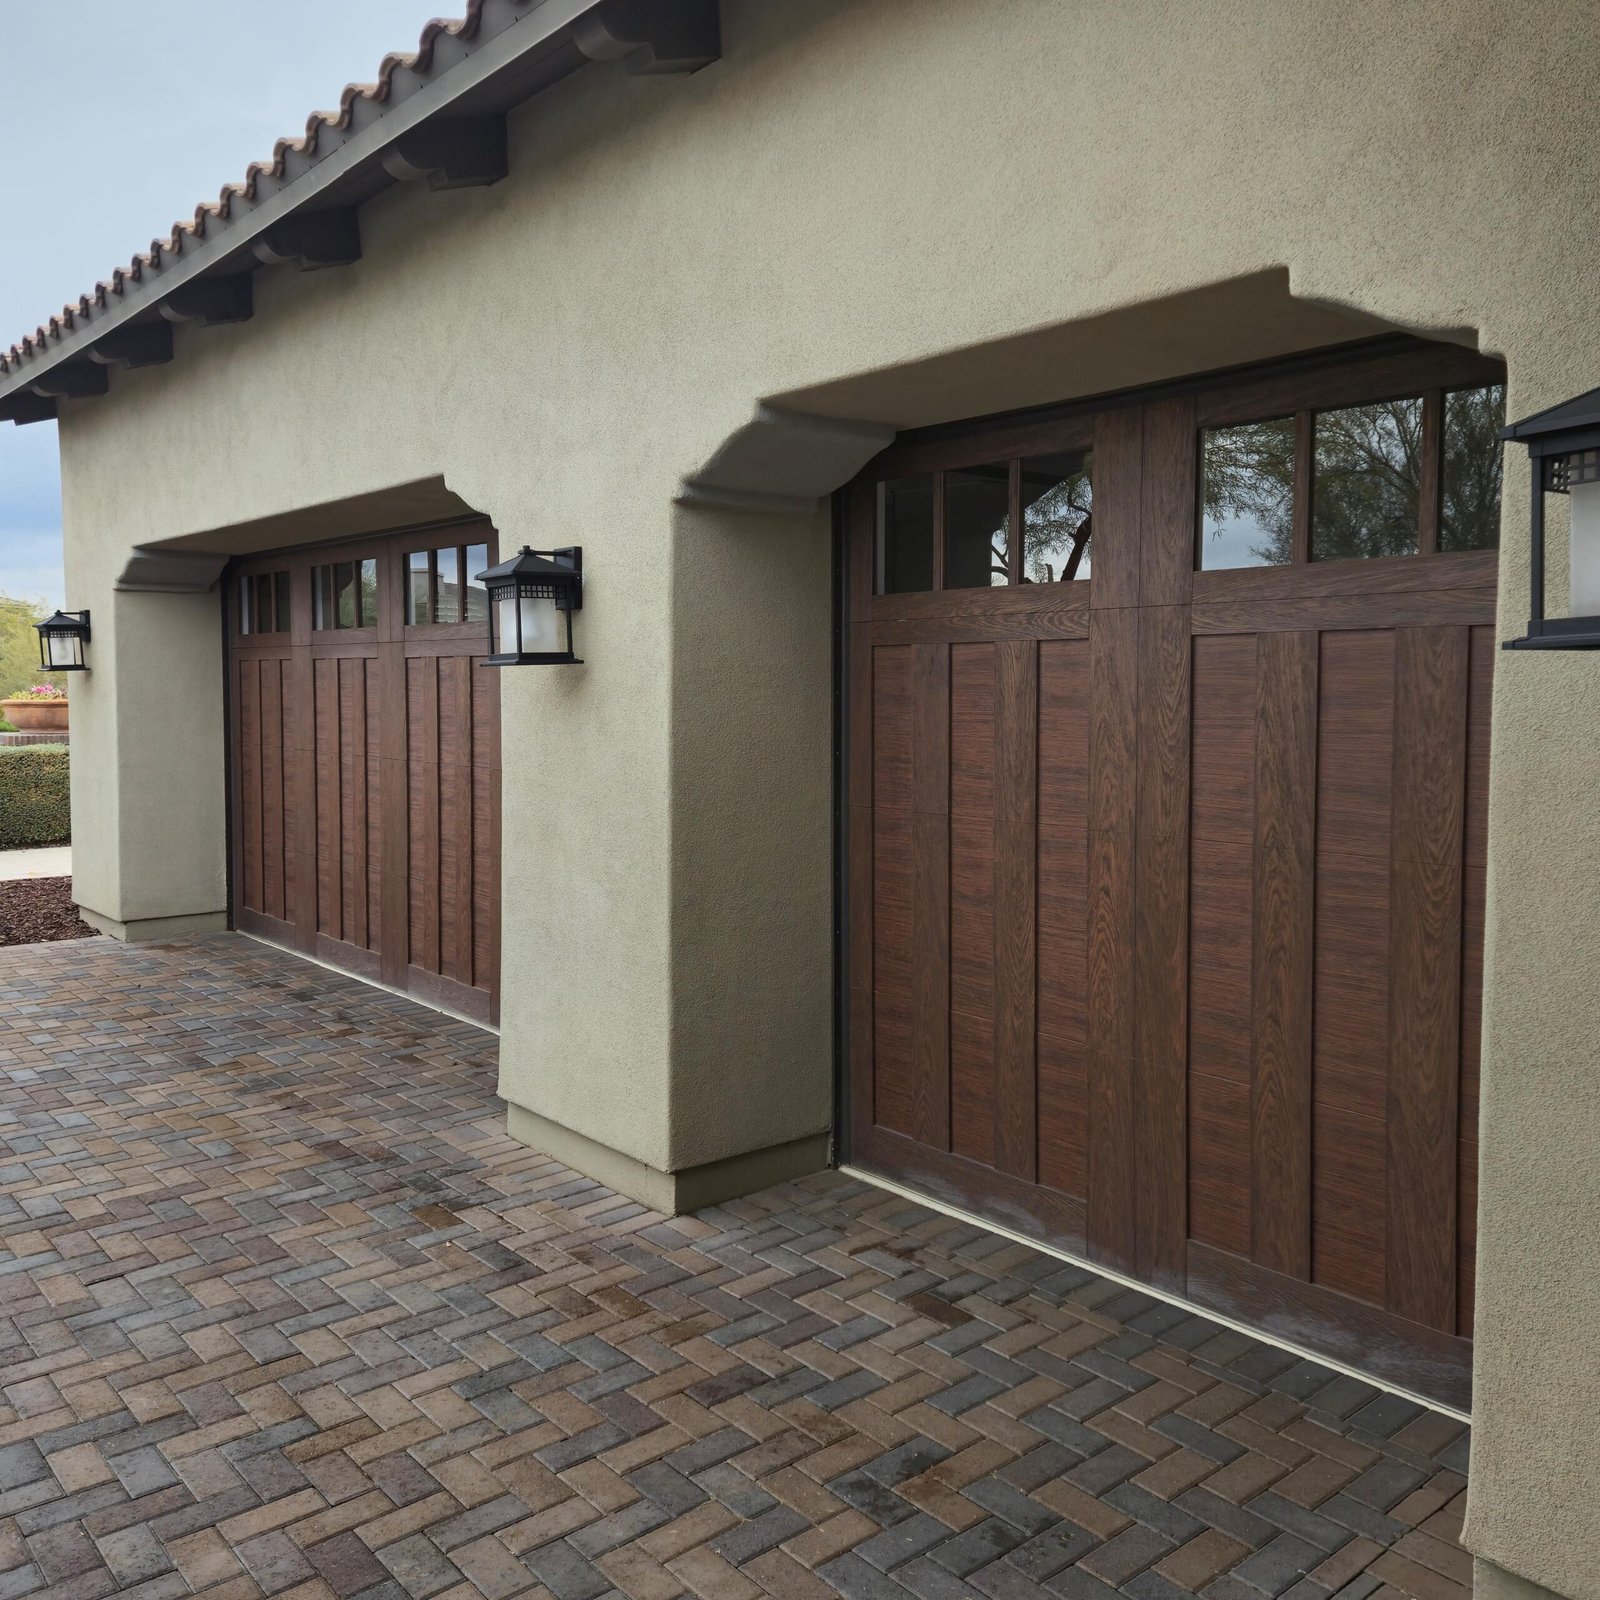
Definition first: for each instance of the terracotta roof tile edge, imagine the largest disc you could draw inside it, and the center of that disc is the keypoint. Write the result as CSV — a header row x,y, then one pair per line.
x,y
419,61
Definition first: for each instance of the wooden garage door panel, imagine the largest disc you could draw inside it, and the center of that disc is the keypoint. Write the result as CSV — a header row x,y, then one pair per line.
x,y
366,779
1166,888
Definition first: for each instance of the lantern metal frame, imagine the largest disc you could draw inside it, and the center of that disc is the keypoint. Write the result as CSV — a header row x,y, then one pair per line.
x,y
64,625
1563,444
555,575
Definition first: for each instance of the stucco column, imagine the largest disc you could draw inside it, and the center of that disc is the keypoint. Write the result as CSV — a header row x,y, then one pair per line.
x,y
148,791
667,1017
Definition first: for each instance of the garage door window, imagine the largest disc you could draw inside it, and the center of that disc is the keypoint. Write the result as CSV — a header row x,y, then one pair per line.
x,y
1247,495
264,603
442,585
976,510
344,594
1417,475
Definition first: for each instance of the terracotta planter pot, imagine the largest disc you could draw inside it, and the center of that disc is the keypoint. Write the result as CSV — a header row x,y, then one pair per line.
x,y
35,716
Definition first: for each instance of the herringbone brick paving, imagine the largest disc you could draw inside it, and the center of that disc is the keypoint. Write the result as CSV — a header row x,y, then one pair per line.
x,y
284,1312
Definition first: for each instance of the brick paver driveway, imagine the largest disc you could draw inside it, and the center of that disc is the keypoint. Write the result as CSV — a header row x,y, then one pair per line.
x,y
283,1311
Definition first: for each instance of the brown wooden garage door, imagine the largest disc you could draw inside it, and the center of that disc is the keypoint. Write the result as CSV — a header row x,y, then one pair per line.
x,y
366,760
1165,852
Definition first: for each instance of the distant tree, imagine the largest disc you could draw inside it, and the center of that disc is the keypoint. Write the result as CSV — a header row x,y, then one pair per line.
x,y
1056,529
19,646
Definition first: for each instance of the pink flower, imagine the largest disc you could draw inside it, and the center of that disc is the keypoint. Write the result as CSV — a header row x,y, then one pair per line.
x,y
44,691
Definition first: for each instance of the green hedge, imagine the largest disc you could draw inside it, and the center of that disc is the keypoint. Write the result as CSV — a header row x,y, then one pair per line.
x,y
35,799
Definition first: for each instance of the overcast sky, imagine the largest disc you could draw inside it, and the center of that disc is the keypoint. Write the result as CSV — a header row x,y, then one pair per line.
x,y
117,119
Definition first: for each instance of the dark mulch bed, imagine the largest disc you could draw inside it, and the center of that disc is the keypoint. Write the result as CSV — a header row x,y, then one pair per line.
x,y
33,910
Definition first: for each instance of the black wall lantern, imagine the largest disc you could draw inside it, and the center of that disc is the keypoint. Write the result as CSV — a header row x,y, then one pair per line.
x,y
1564,449
62,639
531,601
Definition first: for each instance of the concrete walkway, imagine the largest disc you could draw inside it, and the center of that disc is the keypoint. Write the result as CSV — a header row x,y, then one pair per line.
x,y
54,861
286,1313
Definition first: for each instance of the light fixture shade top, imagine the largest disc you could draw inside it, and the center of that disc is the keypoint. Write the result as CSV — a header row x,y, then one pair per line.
x,y
63,622
526,565
1577,415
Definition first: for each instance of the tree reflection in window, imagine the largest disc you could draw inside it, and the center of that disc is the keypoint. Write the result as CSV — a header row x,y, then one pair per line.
x,y
1057,517
1470,506
1247,495
1366,480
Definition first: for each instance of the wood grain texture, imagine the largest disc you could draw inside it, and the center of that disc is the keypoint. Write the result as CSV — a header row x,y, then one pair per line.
x,y
1405,609
1425,970
858,862
1062,897
1113,810
333,821
1167,515
1118,501
1161,934
891,888
1283,899
972,901
930,895
1016,786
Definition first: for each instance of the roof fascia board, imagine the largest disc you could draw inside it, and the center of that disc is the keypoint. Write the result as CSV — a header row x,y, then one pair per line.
x,y
235,237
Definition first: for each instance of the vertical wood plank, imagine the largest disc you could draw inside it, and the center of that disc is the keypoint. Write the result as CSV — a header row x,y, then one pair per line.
x,y
422,689
1113,765
930,913
892,852
1062,902
1118,498
972,911
1161,923
1425,972
1284,891
1016,786
332,792
273,867
301,736
393,801
461,779
250,820
353,717
1167,503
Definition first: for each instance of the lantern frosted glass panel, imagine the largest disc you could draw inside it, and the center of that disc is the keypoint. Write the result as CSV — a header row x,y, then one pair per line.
x,y
543,628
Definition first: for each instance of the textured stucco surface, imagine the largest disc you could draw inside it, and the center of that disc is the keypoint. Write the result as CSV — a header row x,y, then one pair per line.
x,y
901,212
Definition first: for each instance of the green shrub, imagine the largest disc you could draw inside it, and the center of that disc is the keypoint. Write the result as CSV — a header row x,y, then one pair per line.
x,y
5,727
35,802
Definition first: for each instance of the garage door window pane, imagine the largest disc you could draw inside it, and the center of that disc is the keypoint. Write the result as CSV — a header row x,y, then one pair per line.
x,y
1247,495
905,534
477,595
977,525
1057,520
419,604
447,592
1367,471
1470,510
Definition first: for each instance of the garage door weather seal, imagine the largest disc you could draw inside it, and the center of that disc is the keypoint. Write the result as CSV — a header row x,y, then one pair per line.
x,y
1103,1271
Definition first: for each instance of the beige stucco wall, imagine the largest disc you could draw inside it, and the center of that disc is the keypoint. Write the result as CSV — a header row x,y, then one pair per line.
x,y
855,191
